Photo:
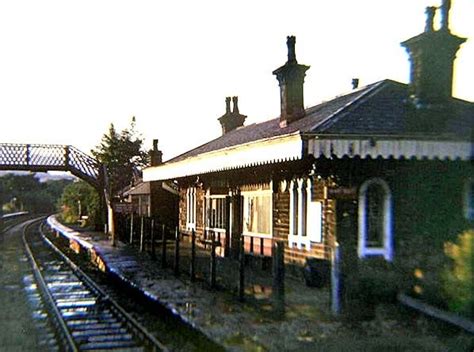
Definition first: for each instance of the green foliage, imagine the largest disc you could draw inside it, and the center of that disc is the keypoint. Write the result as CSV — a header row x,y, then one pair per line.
x,y
80,199
375,281
25,192
121,153
459,277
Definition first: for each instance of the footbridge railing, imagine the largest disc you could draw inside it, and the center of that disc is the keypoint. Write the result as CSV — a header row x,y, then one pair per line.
x,y
51,157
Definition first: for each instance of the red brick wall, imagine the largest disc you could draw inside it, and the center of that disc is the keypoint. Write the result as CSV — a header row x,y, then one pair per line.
x,y
281,224
182,209
199,210
281,215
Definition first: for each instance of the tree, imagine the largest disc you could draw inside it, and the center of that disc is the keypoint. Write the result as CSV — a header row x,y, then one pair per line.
x,y
80,199
25,192
122,154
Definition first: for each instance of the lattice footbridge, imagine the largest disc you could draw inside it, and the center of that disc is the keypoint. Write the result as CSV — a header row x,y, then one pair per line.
x,y
51,157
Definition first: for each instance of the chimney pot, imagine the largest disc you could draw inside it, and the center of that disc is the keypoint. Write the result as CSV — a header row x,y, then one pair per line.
x,y
156,156
227,105
355,83
430,13
235,101
445,8
290,43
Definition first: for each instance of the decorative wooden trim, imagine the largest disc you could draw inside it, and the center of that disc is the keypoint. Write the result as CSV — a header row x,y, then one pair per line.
x,y
389,148
267,151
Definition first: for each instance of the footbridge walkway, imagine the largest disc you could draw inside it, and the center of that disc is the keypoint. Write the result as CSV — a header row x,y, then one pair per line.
x,y
52,157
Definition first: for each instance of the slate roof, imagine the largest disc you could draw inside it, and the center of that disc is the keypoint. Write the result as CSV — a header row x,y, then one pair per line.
x,y
139,189
379,109
385,111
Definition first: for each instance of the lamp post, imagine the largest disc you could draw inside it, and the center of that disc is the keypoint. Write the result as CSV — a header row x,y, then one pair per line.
x,y
79,209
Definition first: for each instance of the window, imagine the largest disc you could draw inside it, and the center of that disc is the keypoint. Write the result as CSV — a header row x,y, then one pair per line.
x,y
469,199
375,219
144,205
257,212
191,208
215,212
305,215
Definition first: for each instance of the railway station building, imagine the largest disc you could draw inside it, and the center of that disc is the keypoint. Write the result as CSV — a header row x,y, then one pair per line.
x,y
384,173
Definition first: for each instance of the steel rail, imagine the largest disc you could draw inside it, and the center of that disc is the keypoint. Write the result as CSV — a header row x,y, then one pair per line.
x,y
8,221
140,330
70,345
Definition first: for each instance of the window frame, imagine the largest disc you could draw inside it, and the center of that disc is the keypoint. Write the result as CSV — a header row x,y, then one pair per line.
x,y
302,208
191,208
386,250
262,192
208,207
143,205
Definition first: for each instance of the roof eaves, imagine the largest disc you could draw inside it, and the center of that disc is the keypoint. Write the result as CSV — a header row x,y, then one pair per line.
x,y
391,148
234,147
381,136
263,151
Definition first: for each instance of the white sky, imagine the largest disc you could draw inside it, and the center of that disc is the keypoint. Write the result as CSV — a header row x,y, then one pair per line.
x,y
70,68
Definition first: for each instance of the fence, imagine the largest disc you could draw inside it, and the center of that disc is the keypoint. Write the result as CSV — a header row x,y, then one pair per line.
x,y
198,259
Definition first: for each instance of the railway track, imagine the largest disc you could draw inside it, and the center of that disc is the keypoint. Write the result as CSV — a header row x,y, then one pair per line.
x,y
86,318
7,221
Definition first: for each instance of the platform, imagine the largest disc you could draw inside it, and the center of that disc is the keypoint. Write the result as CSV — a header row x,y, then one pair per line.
x,y
307,324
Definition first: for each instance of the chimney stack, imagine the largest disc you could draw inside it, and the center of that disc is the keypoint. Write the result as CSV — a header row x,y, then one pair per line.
x,y
290,77
156,156
231,120
432,55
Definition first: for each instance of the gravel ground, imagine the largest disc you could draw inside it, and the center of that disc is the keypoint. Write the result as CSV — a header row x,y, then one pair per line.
x,y
252,326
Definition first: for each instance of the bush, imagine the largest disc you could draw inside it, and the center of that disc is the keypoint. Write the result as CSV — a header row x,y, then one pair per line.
x,y
459,276
375,282
79,199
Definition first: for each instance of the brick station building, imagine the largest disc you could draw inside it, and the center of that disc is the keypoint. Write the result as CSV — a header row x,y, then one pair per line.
x,y
384,171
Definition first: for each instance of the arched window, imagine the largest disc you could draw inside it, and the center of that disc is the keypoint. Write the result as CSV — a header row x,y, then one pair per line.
x,y
375,219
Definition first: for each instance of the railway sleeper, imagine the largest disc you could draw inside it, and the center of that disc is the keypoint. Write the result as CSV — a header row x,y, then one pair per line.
x,y
95,332
107,345
51,277
75,303
83,313
78,325
106,338
73,295
64,285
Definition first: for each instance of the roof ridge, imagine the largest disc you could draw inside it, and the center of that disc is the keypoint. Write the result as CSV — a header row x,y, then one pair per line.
x,y
370,89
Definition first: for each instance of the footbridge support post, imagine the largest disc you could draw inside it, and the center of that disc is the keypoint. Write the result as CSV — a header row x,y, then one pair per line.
x,y
108,203
111,222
